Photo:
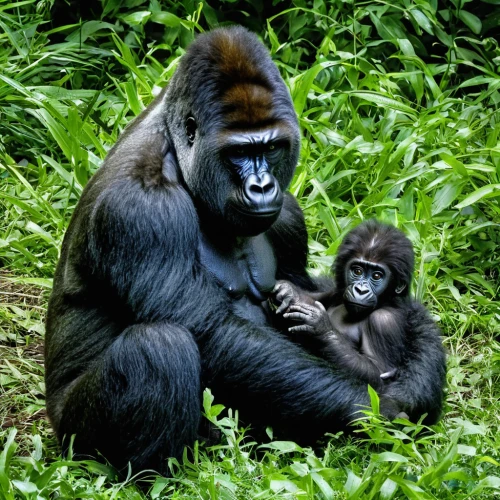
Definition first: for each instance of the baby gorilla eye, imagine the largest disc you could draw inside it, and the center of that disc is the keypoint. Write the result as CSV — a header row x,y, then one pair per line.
x,y
357,271
377,275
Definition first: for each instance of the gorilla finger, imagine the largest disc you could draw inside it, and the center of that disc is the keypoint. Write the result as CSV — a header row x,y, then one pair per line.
x,y
284,294
297,316
303,308
301,329
320,306
283,306
402,414
281,289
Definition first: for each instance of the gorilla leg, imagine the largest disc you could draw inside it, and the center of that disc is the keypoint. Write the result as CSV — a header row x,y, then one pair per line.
x,y
140,400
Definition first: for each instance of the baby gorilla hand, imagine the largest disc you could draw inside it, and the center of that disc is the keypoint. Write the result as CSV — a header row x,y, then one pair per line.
x,y
314,318
285,293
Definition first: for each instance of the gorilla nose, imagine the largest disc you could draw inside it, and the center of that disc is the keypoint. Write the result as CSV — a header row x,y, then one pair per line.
x,y
361,289
263,184
261,190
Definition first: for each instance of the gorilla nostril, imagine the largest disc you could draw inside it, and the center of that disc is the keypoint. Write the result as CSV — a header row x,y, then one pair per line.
x,y
256,188
265,186
361,290
260,190
268,187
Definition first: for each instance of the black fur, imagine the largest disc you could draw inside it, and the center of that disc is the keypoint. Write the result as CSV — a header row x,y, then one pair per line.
x,y
157,295
397,347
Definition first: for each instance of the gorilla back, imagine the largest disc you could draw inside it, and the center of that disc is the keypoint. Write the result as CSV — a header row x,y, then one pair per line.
x,y
165,268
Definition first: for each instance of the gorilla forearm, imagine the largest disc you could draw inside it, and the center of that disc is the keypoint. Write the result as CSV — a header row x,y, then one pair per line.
x,y
418,387
242,368
340,352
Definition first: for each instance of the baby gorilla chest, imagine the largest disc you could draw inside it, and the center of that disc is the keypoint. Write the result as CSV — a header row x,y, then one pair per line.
x,y
246,271
357,331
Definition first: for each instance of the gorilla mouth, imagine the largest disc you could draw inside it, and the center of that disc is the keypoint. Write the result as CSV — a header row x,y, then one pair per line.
x,y
357,304
259,212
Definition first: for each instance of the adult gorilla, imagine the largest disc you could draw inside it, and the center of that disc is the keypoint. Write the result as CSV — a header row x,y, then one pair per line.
x,y
165,268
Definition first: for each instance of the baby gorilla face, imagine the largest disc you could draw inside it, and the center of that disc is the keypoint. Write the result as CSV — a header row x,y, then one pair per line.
x,y
366,283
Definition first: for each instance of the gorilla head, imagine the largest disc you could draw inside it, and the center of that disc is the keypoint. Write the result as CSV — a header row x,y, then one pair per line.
x,y
374,264
234,129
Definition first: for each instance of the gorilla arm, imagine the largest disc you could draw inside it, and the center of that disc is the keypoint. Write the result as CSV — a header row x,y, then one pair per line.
x,y
335,345
418,386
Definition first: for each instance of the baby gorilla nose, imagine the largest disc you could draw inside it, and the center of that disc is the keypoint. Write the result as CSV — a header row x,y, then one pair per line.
x,y
361,290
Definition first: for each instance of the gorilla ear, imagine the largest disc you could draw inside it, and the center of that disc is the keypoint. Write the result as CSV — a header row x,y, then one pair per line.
x,y
399,289
190,127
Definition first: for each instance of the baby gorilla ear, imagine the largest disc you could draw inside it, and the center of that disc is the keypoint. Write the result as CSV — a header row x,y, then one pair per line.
x,y
400,288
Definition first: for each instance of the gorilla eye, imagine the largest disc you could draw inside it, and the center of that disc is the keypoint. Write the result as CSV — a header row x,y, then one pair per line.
x,y
357,271
190,127
377,275
272,147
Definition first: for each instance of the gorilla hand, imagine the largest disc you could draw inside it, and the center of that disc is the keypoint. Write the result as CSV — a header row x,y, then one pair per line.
x,y
314,319
286,294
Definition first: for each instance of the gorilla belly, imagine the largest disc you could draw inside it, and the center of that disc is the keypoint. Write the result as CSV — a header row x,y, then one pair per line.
x,y
247,272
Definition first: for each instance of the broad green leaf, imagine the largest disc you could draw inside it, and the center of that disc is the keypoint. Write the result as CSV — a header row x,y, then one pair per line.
x,y
388,489
303,84
374,400
388,456
282,446
25,487
422,20
457,165
166,18
489,191
472,21
324,487
384,101
446,195
88,29
352,484
137,18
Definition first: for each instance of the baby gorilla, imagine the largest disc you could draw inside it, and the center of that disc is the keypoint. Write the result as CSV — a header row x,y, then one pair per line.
x,y
367,324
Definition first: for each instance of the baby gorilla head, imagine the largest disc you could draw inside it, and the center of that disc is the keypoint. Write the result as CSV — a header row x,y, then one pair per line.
x,y
374,264
366,283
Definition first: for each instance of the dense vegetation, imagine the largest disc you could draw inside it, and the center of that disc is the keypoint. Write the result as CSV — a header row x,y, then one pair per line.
x,y
399,106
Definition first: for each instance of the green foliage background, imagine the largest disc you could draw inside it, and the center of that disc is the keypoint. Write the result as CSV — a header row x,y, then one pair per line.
x,y
399,107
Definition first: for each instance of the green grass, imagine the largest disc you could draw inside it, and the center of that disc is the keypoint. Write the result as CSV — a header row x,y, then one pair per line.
x,y
399,107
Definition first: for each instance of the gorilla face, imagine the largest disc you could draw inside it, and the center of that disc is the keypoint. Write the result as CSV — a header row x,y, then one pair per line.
x,y
253,159
367,282
241,175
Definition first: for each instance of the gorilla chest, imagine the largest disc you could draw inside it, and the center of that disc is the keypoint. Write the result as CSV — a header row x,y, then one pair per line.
x,y
246,270
355,330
